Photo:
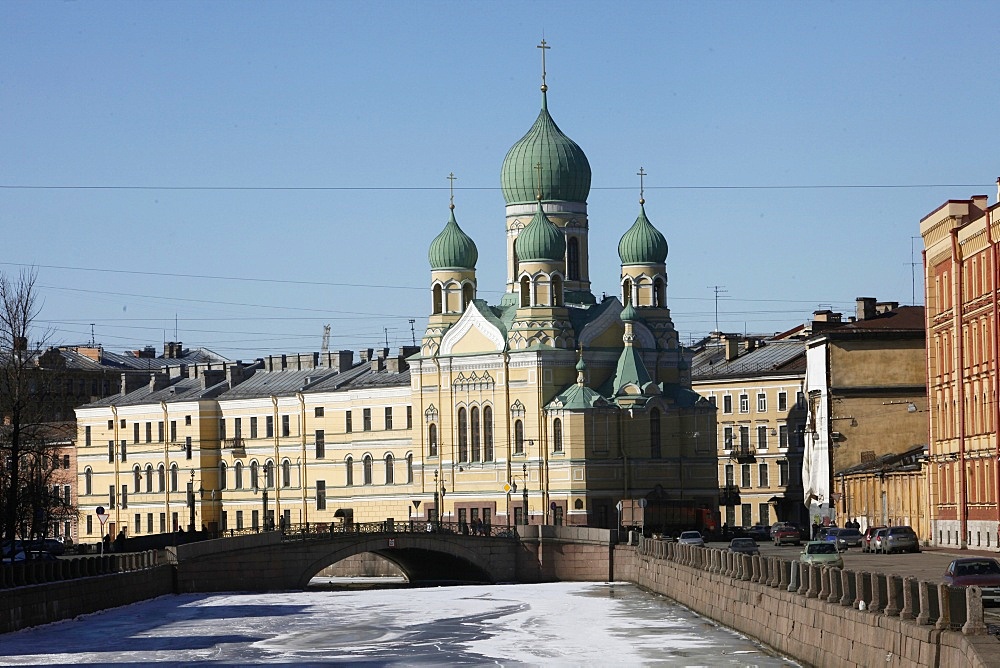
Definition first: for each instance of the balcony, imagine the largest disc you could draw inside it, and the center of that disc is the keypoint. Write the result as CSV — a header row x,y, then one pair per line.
x,y
237,445
744,454
729,495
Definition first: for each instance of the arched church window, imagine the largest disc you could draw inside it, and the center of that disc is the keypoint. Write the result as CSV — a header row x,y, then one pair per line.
x,y
149,478
238,482
137,478
463,435
518,437
88,481
488,434
366,465
525,291
627,292
389,475
654,434
432,440
222,475
161,474
349,471
438,299
557,291
286,473
475,435
659,293
573,258
557,443
467,295
254,476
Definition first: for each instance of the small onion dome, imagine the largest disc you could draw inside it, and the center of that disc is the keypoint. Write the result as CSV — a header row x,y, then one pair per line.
x,y
581,365
565,170
453,248
541,240
629,313
642,243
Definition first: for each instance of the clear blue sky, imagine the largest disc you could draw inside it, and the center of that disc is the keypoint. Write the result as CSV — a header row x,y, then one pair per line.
x,y
296,154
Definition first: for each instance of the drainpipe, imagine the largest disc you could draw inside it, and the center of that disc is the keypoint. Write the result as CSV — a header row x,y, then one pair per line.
x,y
960,386
995,322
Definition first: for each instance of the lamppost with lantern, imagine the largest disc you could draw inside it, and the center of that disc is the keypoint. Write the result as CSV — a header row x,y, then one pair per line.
x,y
524,491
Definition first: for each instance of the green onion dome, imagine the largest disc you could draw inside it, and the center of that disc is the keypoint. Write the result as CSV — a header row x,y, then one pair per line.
x,y
629,313
565,170
453,248
541,240
642,243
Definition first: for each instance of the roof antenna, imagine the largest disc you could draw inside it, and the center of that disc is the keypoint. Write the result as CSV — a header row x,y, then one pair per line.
x,y
92,344
413,334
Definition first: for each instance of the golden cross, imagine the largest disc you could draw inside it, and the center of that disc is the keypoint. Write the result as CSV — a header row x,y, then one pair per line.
x,y
544,47
451,188
641,174
538,185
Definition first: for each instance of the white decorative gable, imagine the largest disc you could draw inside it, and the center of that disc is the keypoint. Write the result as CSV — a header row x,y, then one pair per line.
x,y
472,321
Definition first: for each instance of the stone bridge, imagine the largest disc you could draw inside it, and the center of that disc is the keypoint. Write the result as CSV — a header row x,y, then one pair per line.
x,y
272,561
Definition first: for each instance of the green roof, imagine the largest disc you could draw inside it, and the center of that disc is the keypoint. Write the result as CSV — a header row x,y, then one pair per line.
x,y
565,170
541,240
453,248
642,243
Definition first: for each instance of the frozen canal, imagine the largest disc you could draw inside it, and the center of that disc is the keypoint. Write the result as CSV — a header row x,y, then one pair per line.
x,y
504,625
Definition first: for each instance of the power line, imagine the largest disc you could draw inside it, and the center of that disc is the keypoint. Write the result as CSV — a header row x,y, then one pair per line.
x,y
805,186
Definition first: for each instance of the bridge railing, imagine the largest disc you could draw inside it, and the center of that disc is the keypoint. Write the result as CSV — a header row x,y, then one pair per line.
x,y
319,530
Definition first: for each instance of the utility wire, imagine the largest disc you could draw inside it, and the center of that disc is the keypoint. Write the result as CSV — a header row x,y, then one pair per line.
x,y
814,186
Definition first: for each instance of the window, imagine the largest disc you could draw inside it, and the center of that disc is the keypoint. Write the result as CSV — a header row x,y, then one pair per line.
x,y
222,475
124,496
124,451
149,522
744,437
269,426
320,495
269,474
111,496
349,471
111,425
90,524
783,472
111,451
518,437
173,431
761,402
782,401
187,447
318,411
389,476
286,473
286,425
557,436
747,511
88,481
254,476
237,427
366,419
745,476
149,432
730,481
573,259
239,519
173,477
763,479
159,432
187,420
764,513
476,450
136,478
727,438
366,465
253,427
388,418
320,444
654,434
409,468
135,432
463,435
744,403
163,522
347,423
161,479
783,436
238,477
487,434
762,437
86,435
727,403
800,400
432,440
409,417
149,478
138,523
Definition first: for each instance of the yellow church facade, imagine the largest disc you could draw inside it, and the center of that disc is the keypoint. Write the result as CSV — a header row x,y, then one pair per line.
x,y
581,402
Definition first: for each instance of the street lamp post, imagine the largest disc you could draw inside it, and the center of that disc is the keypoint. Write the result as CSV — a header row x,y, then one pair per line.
x,y
524,469
437,506
190,499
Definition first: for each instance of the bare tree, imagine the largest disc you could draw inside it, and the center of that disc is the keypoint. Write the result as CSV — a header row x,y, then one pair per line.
x,y
29,441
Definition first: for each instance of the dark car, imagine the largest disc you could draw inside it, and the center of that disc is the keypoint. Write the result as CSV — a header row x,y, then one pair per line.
x,y
848,538
982,572
787,535
867,536
900,539
744,546
759,532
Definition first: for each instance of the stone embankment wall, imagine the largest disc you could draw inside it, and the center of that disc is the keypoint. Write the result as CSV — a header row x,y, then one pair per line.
x,y
564,553
35,604
821,616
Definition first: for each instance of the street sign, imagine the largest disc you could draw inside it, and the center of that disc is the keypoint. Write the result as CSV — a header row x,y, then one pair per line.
x,y
553,505
392,542
100,510
507,487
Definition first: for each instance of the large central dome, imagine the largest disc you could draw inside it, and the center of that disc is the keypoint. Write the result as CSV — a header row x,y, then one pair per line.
x,y
565,170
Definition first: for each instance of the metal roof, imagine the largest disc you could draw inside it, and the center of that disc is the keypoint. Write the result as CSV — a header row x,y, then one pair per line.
x,y
770,357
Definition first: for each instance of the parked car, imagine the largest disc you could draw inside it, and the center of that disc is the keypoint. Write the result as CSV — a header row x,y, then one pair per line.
x,y
829,535
744,546
900,539
866,538
787,535
759,532
691,538
877,539
821,553
848,538
980,571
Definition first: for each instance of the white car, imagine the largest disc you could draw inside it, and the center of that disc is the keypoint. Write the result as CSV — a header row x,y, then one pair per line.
x,y
691,538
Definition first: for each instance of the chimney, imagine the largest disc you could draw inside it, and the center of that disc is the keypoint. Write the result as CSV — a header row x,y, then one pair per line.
x,y
751,344
210,377
392,364
345,360
865,308
885,307
365,354
383,353
732,348
408,351
234,374
158,381
378,364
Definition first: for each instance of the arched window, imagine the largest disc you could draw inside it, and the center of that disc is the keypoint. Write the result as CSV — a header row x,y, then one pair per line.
x,y
463,435
557,445
136,478
467,295
409,468
487,434
525,291
518,437
573,258
366,464
432,440
659,293
286,473
627,291
389,477
173,477
438,304
222,475
149,478
269,474
161,474
254,475
349,471
654,434
475,434
88,481
557,291
238,482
